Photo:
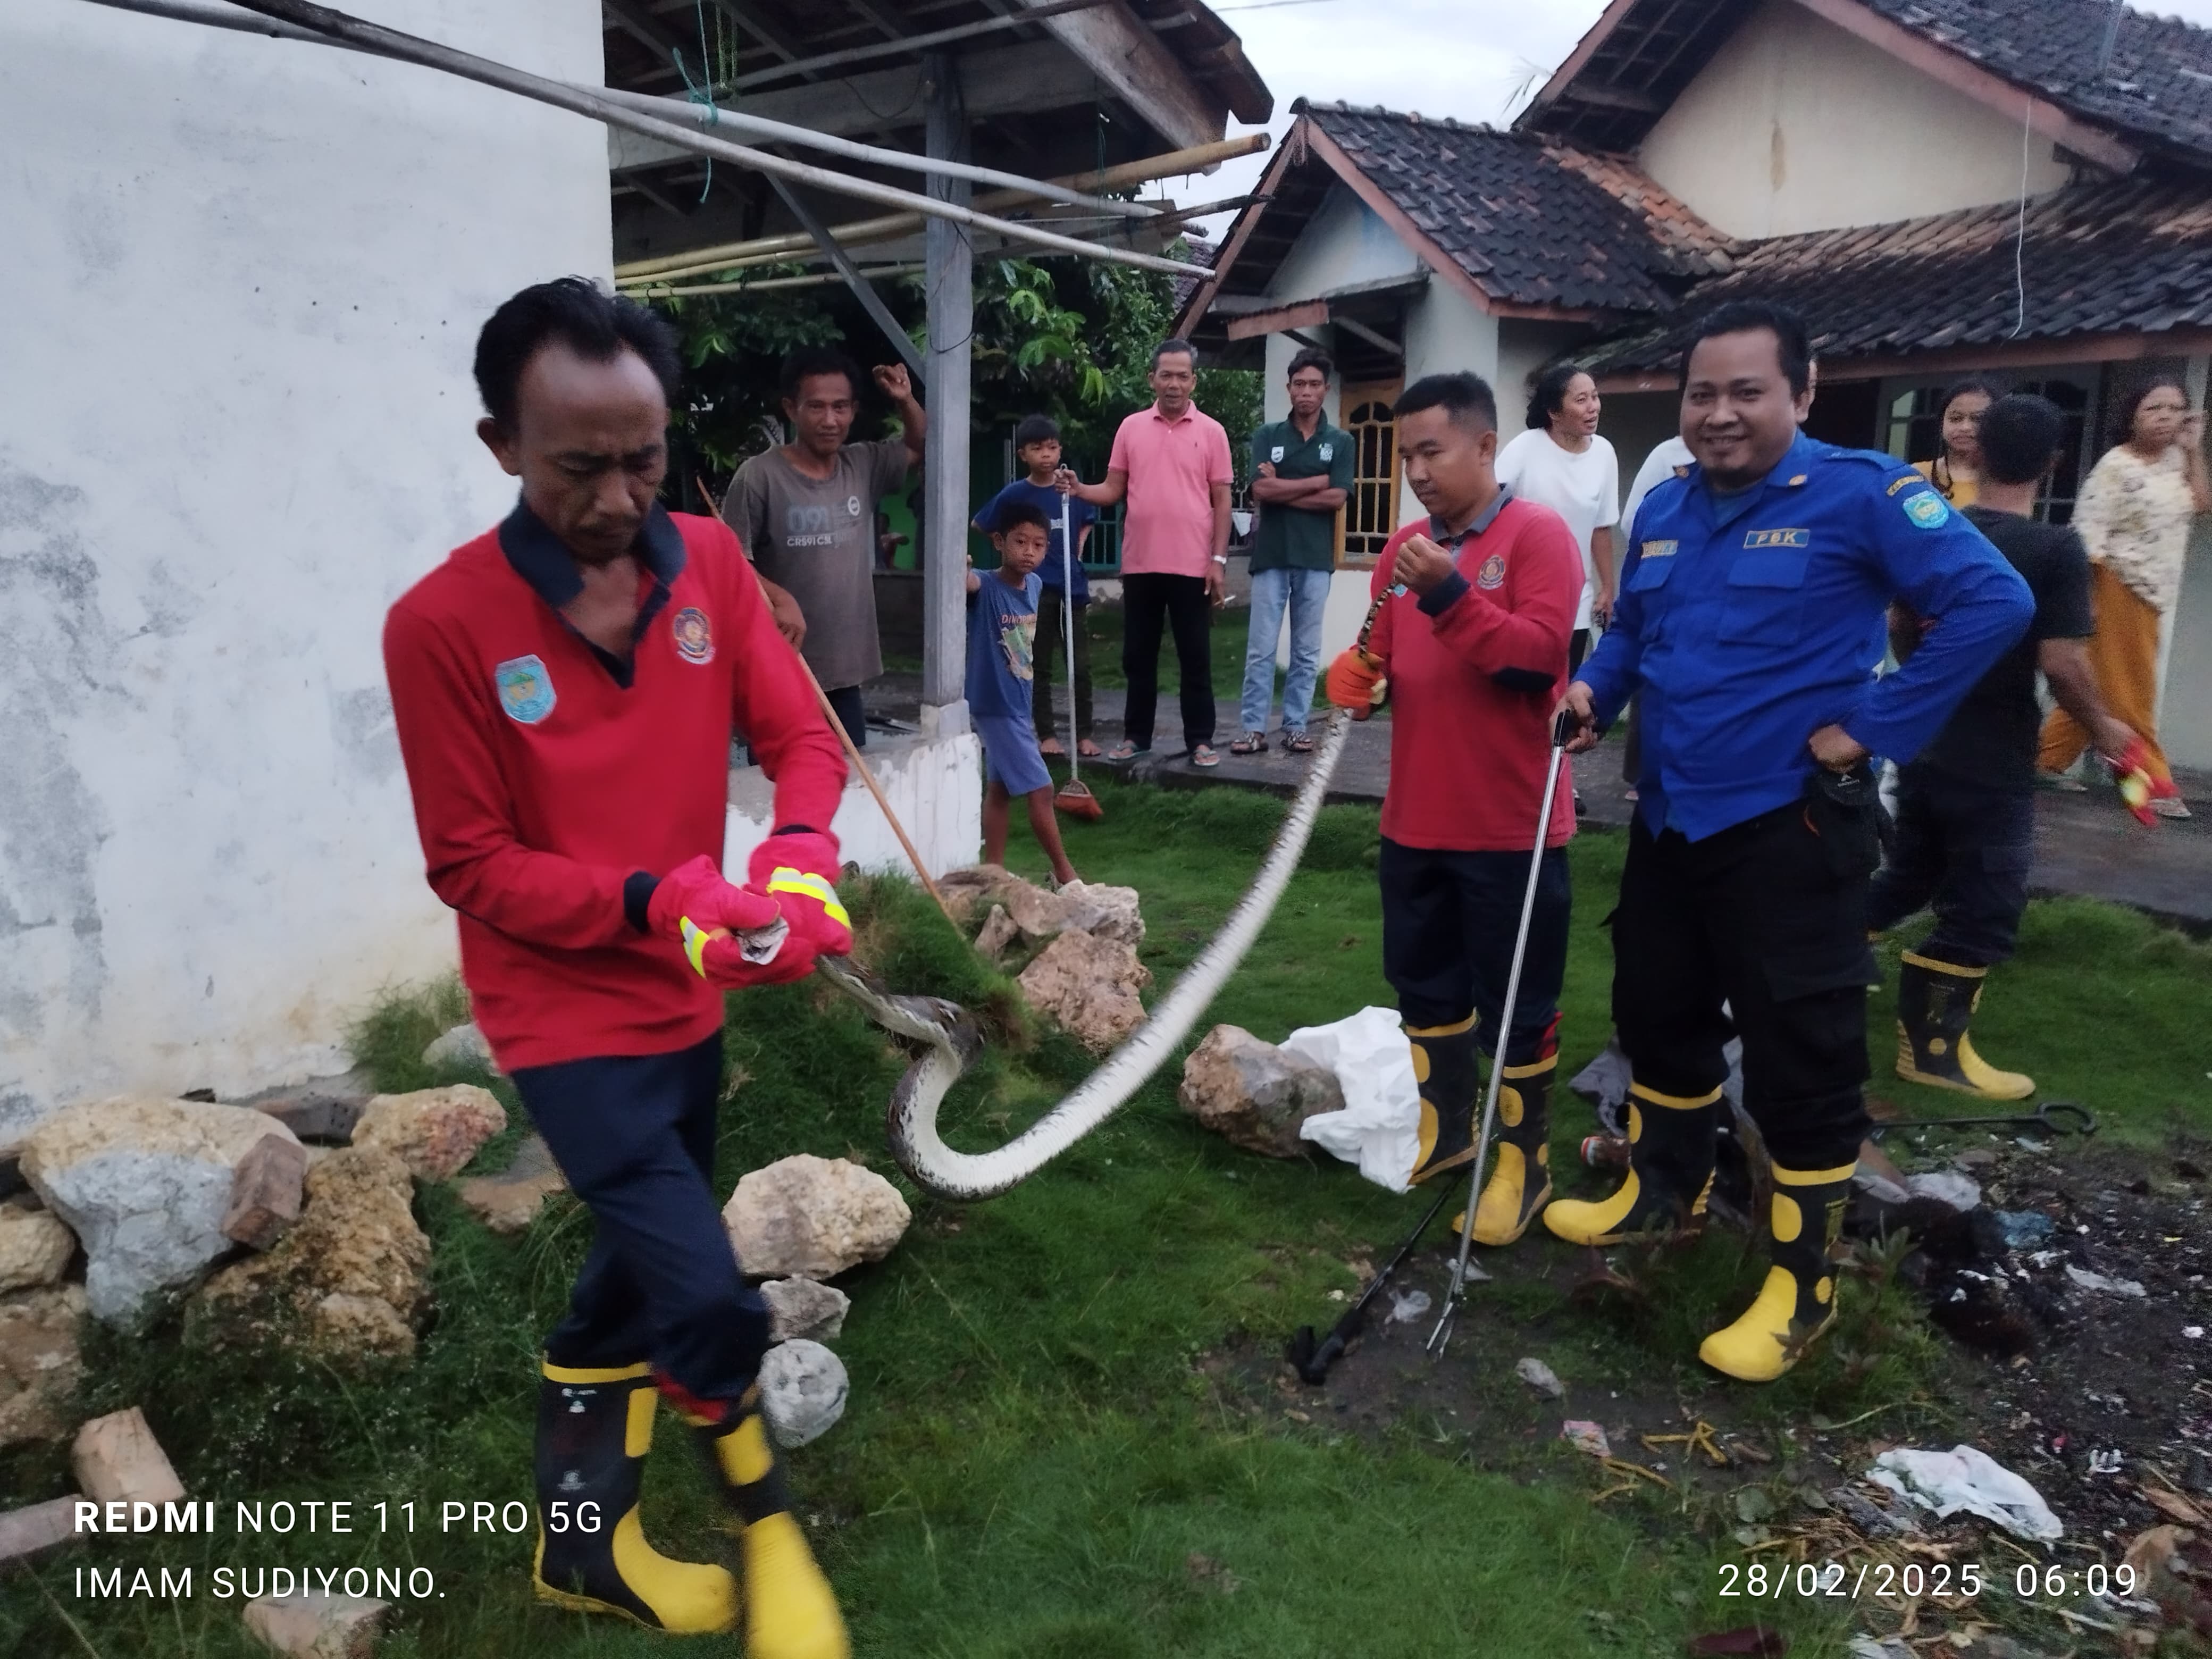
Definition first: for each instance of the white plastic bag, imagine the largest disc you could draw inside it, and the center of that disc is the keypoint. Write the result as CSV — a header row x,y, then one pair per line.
x,y
1965,1479
1380,1127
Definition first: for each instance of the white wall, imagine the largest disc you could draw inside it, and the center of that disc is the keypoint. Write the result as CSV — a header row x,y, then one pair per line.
x,y
2185,713
244,278
1796,124
935,786
1345,242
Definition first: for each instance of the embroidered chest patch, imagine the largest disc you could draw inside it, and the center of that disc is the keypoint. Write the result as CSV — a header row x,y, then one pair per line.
x,y
1778,538
695,635
1662,549
526,689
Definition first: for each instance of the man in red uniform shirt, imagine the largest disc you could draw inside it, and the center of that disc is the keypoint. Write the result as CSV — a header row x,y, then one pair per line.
x,y
566,686
1470,647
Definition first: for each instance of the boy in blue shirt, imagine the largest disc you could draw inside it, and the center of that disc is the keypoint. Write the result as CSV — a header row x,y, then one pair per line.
x,y
1002,621
1036,447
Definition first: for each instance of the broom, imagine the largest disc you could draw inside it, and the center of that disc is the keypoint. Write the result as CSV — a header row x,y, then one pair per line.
x,y
1074,797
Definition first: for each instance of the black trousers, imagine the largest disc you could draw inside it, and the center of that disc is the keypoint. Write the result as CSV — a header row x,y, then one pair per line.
x,y
1768,916
1448,922
1964,849
634,1136
1051,645
1150,601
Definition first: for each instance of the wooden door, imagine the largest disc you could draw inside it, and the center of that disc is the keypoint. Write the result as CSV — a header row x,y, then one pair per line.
x,y
1371,513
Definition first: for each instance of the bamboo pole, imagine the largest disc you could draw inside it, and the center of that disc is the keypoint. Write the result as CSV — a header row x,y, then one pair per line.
x,y
722,255
852,749
392,43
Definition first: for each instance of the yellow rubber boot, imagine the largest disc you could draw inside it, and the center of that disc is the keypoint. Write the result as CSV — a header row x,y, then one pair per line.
x,y
790,1612
1444,1062
594,1428
1670,1173
1797,1302
1520,1182
1935,1006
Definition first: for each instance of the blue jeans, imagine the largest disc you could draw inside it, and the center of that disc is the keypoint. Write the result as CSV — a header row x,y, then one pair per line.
x,y
1306,594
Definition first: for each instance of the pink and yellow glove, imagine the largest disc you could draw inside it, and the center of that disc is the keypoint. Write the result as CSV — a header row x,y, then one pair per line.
x,y
733,937
799,870
2131,772
1356,683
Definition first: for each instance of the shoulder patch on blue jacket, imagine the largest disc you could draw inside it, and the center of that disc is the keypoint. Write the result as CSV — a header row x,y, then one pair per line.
x,y
1928,509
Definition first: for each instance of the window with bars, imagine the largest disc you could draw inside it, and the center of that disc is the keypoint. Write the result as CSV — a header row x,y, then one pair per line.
x,y
1913,423
1371,513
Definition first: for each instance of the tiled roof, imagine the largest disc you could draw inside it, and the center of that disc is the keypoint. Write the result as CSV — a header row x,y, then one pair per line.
x,y
2097,258
1527,224
2157,87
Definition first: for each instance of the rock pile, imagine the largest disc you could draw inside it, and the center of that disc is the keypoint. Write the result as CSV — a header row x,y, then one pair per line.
x,y
1253,1095
1087,977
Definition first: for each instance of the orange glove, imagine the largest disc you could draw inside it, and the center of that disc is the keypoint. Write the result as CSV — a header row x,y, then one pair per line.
x,y
1356,683
2131,771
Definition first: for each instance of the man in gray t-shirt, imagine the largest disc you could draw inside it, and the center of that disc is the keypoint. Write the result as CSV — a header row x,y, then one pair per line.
x,y
806,514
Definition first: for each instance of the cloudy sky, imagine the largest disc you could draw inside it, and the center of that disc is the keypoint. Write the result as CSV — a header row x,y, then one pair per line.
x,y
1477,60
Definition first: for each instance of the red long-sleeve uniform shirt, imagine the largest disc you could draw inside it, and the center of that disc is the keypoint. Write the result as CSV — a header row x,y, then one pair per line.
x,y
1475,667
543,782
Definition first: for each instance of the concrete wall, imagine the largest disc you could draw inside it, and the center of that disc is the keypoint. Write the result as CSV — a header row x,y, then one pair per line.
x,y
935,786
2185,714
244,280
1345,242
1798,126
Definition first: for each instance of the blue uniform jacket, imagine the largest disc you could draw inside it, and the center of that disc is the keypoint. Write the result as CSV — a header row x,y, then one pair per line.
x,y
1749,624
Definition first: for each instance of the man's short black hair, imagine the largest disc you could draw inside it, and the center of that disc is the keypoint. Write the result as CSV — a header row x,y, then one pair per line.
x,y
1465,397
1036,429
2020,437
802,363
1792,343
1312,358
1549,394
595,324
1014,512
1172,346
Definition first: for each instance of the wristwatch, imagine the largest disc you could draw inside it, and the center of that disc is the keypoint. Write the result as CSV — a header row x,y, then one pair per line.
x,y
1221,559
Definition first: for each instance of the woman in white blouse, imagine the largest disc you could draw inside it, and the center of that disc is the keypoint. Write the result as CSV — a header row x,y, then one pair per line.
x,y
1561,463
2135,513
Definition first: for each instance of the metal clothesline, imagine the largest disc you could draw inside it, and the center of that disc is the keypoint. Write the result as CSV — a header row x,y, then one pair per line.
x,y
302,20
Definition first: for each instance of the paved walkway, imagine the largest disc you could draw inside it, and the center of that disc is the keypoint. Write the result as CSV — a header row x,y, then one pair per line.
x,y
2085,844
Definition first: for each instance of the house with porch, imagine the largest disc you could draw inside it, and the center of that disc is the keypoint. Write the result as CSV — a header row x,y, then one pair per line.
x,y
2019,188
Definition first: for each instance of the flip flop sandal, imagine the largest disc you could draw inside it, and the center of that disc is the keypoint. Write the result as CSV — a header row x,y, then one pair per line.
x,y
1089,749
1051,746
1252,742
1124,750
1204,755
1298,742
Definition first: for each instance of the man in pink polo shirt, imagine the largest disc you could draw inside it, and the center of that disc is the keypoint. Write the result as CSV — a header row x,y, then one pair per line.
x,y
1170,462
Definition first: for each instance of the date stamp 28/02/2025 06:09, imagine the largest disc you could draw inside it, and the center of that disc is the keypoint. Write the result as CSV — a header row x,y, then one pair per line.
x,y
1886,1581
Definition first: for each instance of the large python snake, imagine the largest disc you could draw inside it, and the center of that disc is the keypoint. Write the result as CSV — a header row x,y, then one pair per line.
x,y
947,1042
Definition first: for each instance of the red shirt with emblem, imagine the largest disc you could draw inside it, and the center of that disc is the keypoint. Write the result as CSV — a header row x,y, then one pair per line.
x,y
1475,668
543,782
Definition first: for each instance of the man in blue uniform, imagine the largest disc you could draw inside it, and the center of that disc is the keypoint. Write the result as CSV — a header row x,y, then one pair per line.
x,y
1750,621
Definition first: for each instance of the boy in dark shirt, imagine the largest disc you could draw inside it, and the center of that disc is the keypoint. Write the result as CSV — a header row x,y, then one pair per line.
x,y
1966,814
1036,447
1002,620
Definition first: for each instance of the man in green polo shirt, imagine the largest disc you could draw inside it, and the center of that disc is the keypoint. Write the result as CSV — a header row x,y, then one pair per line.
x,y
1301,475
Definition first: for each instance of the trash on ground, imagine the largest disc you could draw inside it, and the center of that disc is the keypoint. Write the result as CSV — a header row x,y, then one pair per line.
x,y
1891,1647
1380,1127
1586,1437
1540,1376
1404,1309
2089,1281
1967,1478
2026,1230
1960,1192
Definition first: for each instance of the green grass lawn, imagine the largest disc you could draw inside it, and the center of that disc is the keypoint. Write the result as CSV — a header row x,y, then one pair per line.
x,y
1042,1456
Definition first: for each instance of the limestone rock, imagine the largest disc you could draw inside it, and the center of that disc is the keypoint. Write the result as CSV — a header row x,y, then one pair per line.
x,y
435,1131
1036,914
40,1365
35,1246
36,1527
1107,912
349,1279
316,1625
265,1191
145,1183
998,933
1089,986
1253,1095
813,1217
804,1307
116,1457
508,1203
803,1386
461,1048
